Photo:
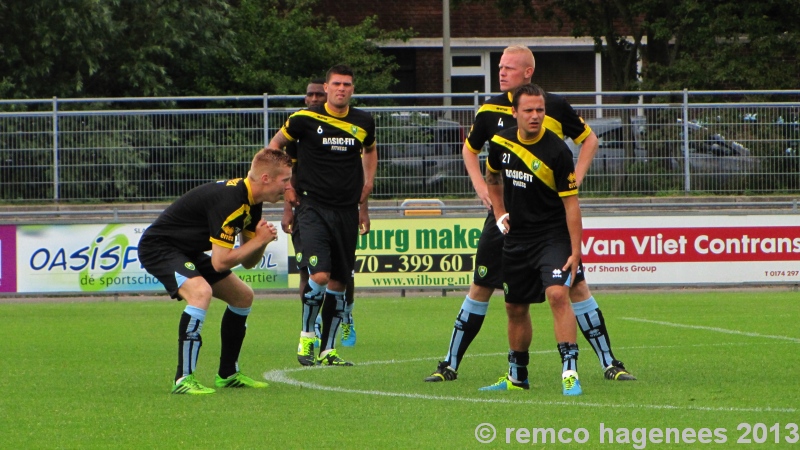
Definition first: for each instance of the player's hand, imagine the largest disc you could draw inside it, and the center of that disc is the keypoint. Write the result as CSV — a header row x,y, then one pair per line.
x,y
266,232
504,223
572,266
363,220
290,197
483,194
287,220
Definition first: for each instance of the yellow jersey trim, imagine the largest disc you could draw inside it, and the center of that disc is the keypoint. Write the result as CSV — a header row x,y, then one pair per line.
x,y
221,243
335,114
356,131
249,190
495,108
539,169
568,193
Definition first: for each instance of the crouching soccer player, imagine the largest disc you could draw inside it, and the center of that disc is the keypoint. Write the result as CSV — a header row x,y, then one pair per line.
x,y
173,248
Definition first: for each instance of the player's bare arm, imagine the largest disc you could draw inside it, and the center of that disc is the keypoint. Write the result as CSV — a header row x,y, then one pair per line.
x,y
288,217
473,165
575,226
290,200
369,161
494,183
279,141
248,254
585,156
363,217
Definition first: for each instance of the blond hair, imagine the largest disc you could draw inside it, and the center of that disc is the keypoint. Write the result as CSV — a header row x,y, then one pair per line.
x,y
268,160
526,53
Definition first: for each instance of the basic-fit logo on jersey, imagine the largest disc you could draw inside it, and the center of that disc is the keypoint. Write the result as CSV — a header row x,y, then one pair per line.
x,y
189,265
313,260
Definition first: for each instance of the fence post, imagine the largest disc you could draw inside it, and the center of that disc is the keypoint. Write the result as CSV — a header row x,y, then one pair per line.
x,y
55,149
266,119
475,102
687,187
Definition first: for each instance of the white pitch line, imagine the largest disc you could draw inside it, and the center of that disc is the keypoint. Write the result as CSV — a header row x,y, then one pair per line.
x,y
478,355
718,330
279,376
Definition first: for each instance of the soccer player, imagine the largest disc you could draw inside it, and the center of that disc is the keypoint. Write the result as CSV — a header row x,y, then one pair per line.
x,y
516,69
209,217
335,172
315,97
534,193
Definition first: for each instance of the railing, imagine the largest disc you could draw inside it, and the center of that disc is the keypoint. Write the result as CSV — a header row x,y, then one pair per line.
x,y
154,149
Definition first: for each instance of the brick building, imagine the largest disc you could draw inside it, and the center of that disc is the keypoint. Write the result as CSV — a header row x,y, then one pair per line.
x,y
478,35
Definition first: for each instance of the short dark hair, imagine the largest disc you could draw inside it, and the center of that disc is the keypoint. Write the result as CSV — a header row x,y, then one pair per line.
x,y
318,80
339,69
526,89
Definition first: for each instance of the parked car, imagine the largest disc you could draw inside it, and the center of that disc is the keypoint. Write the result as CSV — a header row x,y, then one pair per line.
x,y
612,139
709,152
419,151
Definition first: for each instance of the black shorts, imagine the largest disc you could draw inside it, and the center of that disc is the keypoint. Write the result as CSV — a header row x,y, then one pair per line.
x,y
531,268
160,259
329,238
489,258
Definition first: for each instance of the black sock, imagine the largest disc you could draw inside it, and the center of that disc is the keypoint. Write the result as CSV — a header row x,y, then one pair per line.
x,y
332,317
468,324
189,341
232,331
518,365
569,356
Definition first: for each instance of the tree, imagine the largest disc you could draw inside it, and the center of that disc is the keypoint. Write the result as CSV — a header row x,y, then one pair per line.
x,y
694,44
281,45
96,48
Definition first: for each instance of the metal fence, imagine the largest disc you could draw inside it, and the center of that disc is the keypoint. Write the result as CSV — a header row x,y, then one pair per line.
x,y
154,149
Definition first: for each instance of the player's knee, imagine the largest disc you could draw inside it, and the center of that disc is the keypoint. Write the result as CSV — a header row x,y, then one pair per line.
x,y
579,292
196,291
321,278
245,298
517,311
558,296
480,293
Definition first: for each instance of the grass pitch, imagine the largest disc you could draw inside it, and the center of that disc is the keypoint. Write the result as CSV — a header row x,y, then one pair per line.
x,y
715,369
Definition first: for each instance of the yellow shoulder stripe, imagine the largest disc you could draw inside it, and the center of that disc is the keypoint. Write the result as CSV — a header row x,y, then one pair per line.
x,y
495,108
357,132
538,168
554,126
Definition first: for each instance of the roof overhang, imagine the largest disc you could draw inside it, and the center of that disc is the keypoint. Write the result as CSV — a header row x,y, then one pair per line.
x,y
540,43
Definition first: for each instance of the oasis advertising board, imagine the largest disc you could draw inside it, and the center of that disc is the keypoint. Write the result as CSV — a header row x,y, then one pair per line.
x,y
429,252
104,258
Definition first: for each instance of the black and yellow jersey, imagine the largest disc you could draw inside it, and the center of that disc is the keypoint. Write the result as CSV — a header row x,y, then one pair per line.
x,y
536,174
210,213
328,154
495,115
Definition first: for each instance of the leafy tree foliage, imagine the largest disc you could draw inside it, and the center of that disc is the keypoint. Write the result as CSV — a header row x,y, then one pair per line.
x,y
98,48
283,44
694,44
117,48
